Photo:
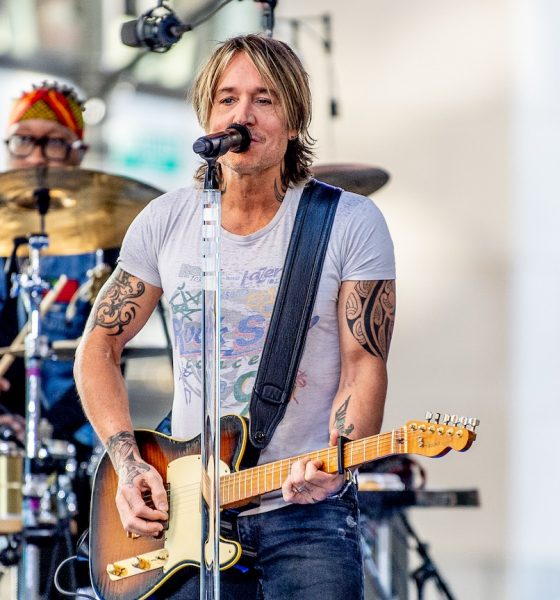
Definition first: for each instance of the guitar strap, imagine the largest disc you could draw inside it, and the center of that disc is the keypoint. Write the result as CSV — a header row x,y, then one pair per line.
x,y
289,323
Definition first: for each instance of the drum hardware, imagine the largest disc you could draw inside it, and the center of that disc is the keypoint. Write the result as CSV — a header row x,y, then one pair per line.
x,y
89,290
90,209
17,347
356,178
66,349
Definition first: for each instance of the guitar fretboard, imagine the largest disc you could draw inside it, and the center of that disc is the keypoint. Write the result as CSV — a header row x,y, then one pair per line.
x,y
249,483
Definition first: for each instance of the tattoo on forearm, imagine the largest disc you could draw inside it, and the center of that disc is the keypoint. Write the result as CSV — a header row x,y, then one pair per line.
x,y
340,418
370,314
121,448
117,308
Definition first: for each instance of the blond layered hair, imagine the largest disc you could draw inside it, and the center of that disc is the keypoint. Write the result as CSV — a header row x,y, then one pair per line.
x,y
283,73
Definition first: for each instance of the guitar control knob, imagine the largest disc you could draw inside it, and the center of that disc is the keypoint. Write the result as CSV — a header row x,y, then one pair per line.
x,y
116,570
163,554
141,563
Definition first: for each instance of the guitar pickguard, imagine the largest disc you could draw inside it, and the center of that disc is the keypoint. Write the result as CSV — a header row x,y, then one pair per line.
x,y
182,539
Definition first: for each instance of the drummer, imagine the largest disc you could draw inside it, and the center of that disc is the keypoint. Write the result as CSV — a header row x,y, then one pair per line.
x,y
46,126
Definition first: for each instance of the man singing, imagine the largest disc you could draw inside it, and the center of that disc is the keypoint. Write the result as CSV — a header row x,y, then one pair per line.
x,y
306,538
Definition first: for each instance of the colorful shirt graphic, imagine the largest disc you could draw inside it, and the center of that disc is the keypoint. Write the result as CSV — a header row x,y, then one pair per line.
x,y
162,248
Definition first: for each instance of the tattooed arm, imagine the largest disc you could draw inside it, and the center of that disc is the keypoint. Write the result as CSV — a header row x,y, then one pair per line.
x,y
366,314
120,311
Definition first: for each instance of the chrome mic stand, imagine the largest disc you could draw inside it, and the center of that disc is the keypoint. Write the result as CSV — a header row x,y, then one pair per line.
x,y
236,138
210,433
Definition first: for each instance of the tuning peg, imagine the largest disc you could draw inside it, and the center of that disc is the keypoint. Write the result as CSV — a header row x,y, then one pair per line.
x,y
446,419
473,423
463,421
432,416
453,420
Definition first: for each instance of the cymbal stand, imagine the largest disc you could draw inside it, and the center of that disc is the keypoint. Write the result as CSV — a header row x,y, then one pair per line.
x,y
36,349
427,570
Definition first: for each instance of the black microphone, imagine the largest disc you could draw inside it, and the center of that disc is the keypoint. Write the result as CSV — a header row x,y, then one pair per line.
x,y
156,30
236,138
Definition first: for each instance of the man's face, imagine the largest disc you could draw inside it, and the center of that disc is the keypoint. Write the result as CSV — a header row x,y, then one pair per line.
x,y
59,138
242,97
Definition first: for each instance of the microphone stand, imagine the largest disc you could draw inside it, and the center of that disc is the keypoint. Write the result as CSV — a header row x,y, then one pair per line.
x,y
210,432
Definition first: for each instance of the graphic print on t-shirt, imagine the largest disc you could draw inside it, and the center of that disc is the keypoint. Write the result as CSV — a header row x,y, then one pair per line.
x,y
247,301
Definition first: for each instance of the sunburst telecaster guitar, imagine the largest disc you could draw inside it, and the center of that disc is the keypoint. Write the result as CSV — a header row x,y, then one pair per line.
x,y
128,569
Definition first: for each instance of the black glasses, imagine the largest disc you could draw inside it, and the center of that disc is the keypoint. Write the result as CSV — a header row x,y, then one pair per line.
x,y
52,148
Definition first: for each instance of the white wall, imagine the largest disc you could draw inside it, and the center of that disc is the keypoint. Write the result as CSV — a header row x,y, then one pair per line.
x,y
426,91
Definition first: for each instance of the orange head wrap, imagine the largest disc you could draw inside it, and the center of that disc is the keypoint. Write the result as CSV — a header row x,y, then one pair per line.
x,y
52,102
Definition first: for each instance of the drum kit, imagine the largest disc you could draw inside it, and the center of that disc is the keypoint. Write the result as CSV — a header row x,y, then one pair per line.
x,y
75,211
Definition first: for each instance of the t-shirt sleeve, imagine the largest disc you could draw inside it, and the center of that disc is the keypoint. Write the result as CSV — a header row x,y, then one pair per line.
x,y
139,249
367,247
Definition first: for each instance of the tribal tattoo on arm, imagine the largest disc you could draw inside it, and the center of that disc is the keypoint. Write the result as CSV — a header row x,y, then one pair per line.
x,y
121,448
340,418
117,307
370,315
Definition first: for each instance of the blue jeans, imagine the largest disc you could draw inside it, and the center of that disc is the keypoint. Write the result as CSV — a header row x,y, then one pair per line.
x,y
309,551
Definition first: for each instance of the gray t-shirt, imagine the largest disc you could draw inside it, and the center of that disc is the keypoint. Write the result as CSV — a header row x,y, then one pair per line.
x,y
163,248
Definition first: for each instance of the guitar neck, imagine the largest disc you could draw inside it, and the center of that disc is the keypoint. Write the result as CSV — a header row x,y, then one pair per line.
x,y
242,485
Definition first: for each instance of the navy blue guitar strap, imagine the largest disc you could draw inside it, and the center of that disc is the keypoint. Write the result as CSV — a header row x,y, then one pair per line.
x,y
289,323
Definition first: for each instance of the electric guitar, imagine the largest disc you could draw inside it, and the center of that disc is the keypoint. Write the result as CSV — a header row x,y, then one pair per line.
x,y
129,569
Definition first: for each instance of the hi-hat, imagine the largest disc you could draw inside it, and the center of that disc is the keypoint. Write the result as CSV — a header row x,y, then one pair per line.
x,y
360,179
88,209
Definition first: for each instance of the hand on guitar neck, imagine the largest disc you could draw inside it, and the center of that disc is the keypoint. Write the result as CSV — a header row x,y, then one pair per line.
x,y
307,483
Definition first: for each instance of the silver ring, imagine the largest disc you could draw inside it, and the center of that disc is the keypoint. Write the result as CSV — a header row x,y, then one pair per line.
x,y
300,490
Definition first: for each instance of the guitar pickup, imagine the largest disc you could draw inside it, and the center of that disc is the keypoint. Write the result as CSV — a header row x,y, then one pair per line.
x,y
135,565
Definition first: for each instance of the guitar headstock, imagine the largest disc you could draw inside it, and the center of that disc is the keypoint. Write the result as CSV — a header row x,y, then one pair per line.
x,y
438,435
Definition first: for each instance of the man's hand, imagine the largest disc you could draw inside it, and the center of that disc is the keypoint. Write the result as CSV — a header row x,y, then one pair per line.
x,y
139,485
307,484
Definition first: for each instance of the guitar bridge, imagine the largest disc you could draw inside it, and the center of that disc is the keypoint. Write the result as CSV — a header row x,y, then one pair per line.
x,y
135,565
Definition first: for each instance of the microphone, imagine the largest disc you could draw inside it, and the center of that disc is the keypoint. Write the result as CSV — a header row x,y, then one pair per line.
x,y
156,30
236,138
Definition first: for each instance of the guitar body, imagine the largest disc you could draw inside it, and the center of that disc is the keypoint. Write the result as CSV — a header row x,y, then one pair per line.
x,y
132,569
109,544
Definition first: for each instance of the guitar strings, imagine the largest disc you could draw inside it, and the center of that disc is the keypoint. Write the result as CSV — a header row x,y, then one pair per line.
x,y
241,481
244,479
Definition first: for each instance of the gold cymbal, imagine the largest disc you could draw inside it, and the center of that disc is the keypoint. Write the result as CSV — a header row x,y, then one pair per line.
x,y
360,179
88,209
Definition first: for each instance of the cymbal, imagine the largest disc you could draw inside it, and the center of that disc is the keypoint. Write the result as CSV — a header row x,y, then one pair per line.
x,y
88,209
360,179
